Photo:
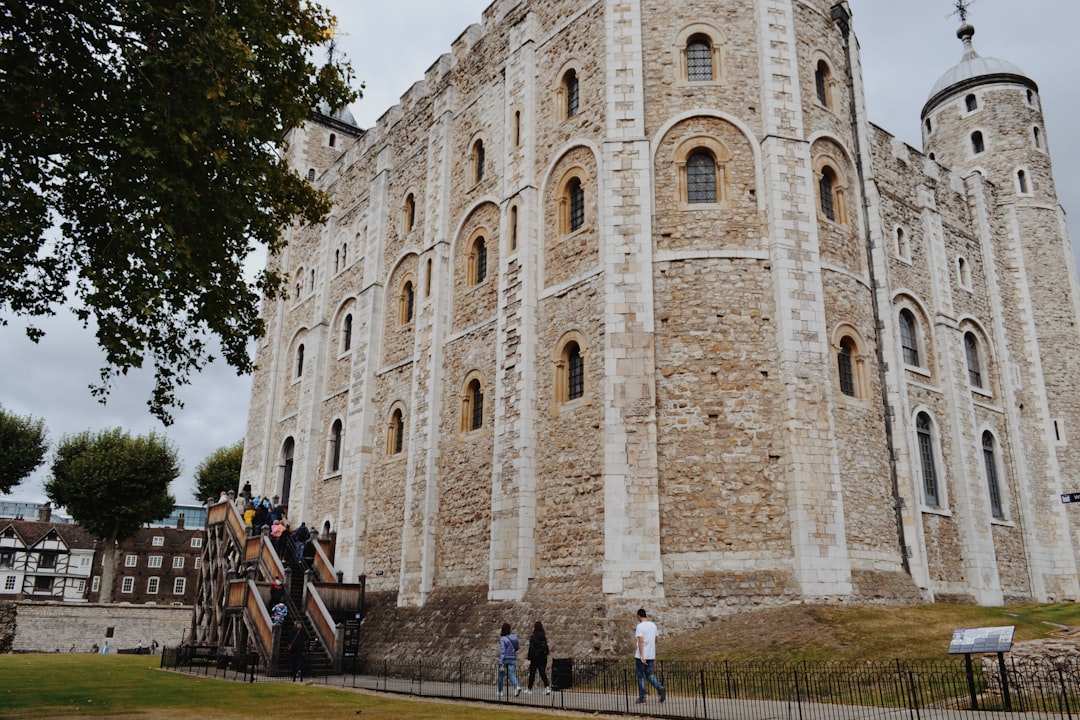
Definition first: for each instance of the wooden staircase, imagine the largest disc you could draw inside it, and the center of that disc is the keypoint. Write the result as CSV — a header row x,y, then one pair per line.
x,y
231,607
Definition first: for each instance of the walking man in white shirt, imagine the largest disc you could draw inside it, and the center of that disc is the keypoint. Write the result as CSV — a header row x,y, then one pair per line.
x,y
645,656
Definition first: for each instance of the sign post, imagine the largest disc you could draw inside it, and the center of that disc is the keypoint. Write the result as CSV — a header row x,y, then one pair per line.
x,y
985,640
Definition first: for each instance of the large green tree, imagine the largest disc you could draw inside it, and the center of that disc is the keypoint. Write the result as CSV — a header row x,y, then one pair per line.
x,y
23,442
112,483
141,165
219,471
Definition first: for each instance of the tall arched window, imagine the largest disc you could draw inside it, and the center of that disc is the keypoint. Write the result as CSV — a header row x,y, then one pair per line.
x,y
335,446
909,338
924,431
992,484
699,59
346,333
478,261
472,406
478,161
576,197
822,75
826,192
406,303
903,245
395,433
300,361
1022,182
287,452
575,371
974,367
846,367
572,91
513,227
977,144
410,212
1038,138
701,177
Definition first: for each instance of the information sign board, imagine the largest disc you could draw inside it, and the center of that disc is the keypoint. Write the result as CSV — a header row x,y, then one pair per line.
x,y
1070,497
982,640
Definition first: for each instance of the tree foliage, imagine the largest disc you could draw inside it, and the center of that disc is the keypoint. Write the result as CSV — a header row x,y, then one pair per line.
x,y
140,165
23,442
112,484
219,471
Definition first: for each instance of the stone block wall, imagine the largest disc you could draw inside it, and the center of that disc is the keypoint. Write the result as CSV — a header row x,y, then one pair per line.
x,y
45,627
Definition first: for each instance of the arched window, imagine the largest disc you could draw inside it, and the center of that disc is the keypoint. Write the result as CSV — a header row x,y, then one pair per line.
x,y
575,197
929,126
827,193
971,103
977,144
311,286
337,260
572,92
478,261
927,461
974,367
570,379
513,227
333,140
407,303
346,333
478,161
909,338
699,59
344,254
287,452
1022,182
963,272
410,212
472,406
701,177
427,279
846,367
822,74
992,484
335,446
395,433
300,361
311,174
517,128
903,245
1038,138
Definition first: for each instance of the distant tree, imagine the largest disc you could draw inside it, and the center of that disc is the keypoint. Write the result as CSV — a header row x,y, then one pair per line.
x,y
140,164
112,484
219,471
23,442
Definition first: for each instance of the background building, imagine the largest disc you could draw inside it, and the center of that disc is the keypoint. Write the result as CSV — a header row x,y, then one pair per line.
x,y
627,302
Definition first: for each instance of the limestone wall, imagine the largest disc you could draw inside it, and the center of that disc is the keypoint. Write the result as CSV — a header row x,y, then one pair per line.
x,y
44,627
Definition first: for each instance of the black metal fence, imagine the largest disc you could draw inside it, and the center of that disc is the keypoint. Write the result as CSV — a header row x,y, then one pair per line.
x,y
712,690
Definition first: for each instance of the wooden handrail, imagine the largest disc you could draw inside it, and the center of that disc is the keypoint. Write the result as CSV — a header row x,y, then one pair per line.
x,y
260,550
237,594
323,622
260,618
324,571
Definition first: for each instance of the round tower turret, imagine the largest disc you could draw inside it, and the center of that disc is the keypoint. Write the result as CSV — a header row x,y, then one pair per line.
x,y
984,115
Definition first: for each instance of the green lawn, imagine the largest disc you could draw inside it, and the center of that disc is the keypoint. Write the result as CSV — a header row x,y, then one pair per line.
x,y
131,686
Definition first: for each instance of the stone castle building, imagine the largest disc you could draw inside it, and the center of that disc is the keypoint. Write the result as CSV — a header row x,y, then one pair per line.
x,y
628,303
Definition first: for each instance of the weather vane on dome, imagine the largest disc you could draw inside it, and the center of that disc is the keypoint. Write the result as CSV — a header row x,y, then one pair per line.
x,y
962,8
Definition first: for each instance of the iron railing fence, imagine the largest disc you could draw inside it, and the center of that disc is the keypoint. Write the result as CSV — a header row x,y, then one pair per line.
x,y
920,689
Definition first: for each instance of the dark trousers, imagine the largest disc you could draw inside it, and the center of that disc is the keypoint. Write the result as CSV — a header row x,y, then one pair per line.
x,y
542,668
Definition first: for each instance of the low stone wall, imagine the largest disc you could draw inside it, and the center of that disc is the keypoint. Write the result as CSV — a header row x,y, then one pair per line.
x,y
47,627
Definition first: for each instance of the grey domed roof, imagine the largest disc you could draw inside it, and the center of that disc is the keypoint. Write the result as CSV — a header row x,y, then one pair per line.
x,y
342,114
972,70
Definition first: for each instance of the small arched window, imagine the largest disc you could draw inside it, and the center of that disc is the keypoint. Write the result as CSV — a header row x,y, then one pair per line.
x,y
478,161
575,195
929,126
311,174
846,368
513,227
344,254
311,282
699,59
333,140
427,279
909,338
575,371
517,128
395,433
410,212
993,486
335,446
300,361
701,177
927,461
974,366
472,406
822,75
1022,182
1038,138
971,103
346,333
407,303
903,244
977,143
478,261
572,92
827,193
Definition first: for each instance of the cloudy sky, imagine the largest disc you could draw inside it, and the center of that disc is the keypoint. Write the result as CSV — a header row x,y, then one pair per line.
x,y
905,46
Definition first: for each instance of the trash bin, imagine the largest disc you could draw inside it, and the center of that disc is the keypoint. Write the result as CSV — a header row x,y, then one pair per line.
x,y
562,673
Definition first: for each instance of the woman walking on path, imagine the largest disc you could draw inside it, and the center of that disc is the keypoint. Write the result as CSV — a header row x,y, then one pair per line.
x,y
508,647
538,657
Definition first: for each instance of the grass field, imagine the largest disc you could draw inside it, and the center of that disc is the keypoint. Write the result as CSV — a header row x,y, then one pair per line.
x,y
125,687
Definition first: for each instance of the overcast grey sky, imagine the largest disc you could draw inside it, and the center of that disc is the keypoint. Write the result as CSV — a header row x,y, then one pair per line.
x,y
905,46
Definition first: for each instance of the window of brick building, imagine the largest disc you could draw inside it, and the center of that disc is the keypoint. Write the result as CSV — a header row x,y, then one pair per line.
x,y
992,484
927,460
